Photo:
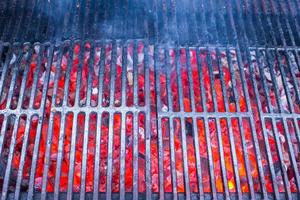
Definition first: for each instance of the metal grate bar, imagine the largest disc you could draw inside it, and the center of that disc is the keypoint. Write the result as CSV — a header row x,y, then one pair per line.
x,y
3,75
14,70
167,53
270,161
135,74
41,117
247,160
283,169
50,29
47,159
287,54
49,135
109,157
84,14
220,145
90,69
10,20
22,160
1,53
130,23
59,157
40,50
183,131
233,79
4,125
242,135
254,135
275,22
292,18
60,6
185,162
285,84
256,53
62,122
232,22
11,149
158,65
39,17
163,21
20,18
72,152
123,128
173,160
196,139
32,20
209,114
122,155
207,137
135,124
191,19
147,125
283,77
256,24
97,157
223,24
266,22
4,70
172,20
74,126
135,155
23,85
26,135
202,22
101,75
111,121
231,138
223,167
292,154
84,156
171,122
86,130
178,24
295,84
166,114
287,23
271,63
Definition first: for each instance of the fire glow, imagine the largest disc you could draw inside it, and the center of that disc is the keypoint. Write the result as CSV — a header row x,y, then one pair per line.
x,y
211,77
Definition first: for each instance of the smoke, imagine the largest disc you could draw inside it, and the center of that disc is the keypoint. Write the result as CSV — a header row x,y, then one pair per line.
x,y
55,20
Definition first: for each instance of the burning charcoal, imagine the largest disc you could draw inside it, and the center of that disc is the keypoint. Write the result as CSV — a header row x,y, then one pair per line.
x,y
231,99
217,76
189,128
128,141
153,120
290,172
277,168
130,78
142,156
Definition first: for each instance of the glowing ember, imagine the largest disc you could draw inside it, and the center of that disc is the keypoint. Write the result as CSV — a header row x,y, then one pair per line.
x,y
218,75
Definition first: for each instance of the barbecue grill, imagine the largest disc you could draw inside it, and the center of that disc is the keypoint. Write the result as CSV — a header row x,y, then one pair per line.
x,y
150,99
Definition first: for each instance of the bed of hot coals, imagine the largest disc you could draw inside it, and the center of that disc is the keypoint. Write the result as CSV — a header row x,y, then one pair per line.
x,y
228,72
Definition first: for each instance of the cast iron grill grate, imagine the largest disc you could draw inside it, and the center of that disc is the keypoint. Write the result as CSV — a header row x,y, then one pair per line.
x,y
261,22
153,99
